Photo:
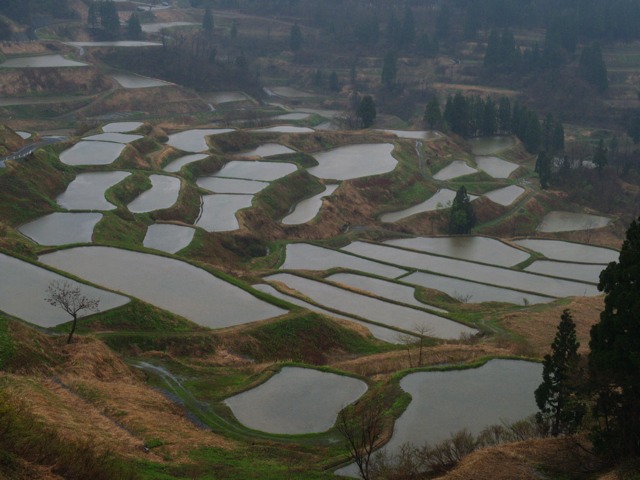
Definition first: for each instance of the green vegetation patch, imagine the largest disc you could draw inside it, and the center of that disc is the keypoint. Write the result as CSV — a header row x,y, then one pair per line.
x,y
278,197
302,337
120,228
7,348
128,189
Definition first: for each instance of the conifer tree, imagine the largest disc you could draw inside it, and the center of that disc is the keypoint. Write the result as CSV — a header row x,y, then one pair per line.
x,y
462,217
560,410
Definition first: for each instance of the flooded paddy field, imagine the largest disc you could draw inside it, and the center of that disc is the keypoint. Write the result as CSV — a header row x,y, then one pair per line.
x,y
168,237
86,191
307,209
24,287
174,285
219,211
61,228
372,309
267,150
264,171
163,193
569,251
354,161
194,140
175,165
92,153
455,169
568,221
296,401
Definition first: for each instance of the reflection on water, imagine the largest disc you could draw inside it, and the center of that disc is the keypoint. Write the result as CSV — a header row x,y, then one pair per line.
x,y
354,161
176,286
86,191
219,211
92,153
296,401
168,238
307,209
568,221
60,228
163,193
569,251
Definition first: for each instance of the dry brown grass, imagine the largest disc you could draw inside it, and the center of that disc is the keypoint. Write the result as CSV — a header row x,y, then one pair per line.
x,y
539,328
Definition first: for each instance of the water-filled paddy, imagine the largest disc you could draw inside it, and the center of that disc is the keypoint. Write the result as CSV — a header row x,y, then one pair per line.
x,y
288,92
219,211
505,196
576,271
167,237
490,145
477,249
455,169
194,140
24,135
285,129
86,191
171,284
157,27
354,161
267,150
382,288
24,287
570,252
373,309
472,292
178,163
231,185
130,80
496,167
558,221
441,199
117,44
163,193
121,127
113,137
224,97
476,272
60,228
307,209
445,402
303,256
265,171
92,153
293,116
296,401
43,61
381,333
415,134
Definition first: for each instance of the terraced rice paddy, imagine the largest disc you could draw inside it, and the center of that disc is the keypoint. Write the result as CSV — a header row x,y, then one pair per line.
x,y
267,150
496,167
92,153
569,251
113,137
60,228
455,169
219,211
354,161
163,193
24,287
264,171
296,401
194,140
168,237
307,209
42,61
121,127
176,286
568,221
175,165
505,196
86,191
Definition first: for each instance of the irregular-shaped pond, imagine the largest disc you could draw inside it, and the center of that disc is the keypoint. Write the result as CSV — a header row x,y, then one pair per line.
x,y
288,92
167,237
219,211
194,140
231,185
24,287
384,313
92,153
557,221
86,191
265,171
455,169
354,161
267,150
224,97
307,209
113,137
163,193
500,391
477,249
296,401
176,286
441,199
577,271
60,228
382,288
505,196
121,127
496,167
472,292
569,251
381,333
293,116
42,61
498,276
490,145
178,163
303,256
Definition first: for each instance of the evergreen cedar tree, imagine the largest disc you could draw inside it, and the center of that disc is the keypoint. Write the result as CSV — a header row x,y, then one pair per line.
x,y
463,217
366,111
614,360
207,21
556,397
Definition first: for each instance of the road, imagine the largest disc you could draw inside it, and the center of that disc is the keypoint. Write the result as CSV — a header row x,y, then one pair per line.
x,y
29,149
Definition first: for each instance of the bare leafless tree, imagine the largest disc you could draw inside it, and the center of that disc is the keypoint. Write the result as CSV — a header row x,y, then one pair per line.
x,y
362,427
70,299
